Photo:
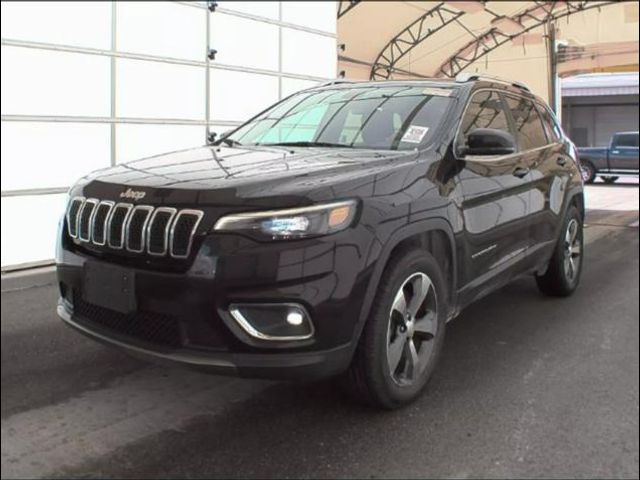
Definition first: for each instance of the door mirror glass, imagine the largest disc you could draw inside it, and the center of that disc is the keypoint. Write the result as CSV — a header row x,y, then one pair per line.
x,y
488,141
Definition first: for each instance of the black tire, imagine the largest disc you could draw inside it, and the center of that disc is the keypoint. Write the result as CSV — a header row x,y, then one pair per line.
x,y
588,171
558,281
369,378
609,180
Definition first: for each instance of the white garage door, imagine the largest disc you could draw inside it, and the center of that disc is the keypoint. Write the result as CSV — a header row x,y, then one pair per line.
x,y
612,119
88,84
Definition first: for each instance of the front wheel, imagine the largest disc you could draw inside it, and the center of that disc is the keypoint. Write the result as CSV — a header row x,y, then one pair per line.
x,y
402,339
563,272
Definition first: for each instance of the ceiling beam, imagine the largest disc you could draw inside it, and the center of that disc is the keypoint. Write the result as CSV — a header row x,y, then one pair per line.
x,y
498,35
430,22
345,6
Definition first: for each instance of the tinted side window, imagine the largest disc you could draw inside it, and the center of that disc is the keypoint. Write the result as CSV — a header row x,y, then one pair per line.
x,y
551,123
483,111
626,140
529,130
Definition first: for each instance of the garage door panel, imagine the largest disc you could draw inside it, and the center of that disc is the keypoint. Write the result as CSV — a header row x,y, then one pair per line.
x,y
57,22
612,119
23,246
42,82
48,155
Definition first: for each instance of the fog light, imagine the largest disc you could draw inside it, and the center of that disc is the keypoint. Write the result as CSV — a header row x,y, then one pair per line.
x,y
295,318
273,322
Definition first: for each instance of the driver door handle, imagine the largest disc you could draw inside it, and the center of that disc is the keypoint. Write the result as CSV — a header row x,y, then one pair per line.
x,y
520,172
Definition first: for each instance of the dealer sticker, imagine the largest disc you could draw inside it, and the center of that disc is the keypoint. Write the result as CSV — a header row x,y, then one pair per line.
x,y
414,134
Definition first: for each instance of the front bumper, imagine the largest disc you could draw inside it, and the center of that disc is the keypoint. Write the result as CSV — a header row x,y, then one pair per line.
x,y
183,316
273,365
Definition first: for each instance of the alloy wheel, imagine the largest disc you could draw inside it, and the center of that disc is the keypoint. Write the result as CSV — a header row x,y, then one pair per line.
x,y
413,323
572,250
586,171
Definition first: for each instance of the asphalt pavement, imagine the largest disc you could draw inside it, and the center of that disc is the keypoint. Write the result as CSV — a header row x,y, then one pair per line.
x,y
528,386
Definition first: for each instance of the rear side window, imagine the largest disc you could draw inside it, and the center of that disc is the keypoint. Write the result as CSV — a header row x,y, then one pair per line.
x,y
625,140
528,124
551,123
483,111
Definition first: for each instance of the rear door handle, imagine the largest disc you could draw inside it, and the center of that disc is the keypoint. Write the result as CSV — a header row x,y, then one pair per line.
x,y
521,172
562,161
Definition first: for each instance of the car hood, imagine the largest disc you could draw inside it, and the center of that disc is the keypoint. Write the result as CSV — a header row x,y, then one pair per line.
x,y
226,176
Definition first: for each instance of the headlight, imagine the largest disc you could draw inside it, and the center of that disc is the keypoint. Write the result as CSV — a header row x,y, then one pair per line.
x,y
293,222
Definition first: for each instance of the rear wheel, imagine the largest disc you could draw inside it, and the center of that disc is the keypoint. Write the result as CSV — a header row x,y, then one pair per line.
x,y
402,339
564,269
587,171
609,180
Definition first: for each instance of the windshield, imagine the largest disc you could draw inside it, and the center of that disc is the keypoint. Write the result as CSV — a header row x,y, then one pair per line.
x,y
395,118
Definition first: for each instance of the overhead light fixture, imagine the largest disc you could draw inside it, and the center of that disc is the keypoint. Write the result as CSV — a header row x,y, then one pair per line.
x,y
507,25
467,7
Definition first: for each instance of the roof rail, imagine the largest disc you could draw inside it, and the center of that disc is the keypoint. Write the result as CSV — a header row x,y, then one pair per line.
x,y
468,77
333,82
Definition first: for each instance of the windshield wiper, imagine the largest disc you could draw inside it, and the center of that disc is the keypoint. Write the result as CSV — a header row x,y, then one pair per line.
x,y
228,141
305,144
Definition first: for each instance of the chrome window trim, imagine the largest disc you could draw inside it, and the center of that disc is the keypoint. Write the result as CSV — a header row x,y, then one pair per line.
x,y
110,204
483,158
71,202
129,207
147,233
149,210
94,202
198,214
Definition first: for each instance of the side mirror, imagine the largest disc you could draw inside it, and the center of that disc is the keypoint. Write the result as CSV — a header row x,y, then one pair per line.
x,y
214,137
487,141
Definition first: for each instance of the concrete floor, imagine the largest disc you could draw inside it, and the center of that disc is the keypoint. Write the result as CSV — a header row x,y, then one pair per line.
x,y
528,386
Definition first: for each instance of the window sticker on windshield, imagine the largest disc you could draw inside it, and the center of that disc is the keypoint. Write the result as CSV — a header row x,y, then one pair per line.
x,y
414,134
437,92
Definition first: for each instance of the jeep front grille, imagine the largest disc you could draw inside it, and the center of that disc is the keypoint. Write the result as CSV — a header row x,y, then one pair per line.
x,y
141,228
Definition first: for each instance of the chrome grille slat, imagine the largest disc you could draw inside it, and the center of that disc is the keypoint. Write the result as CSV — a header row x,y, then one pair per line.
x,y
85,219
130,234
118,207
165,231
95,236
75,205
172,232
157,231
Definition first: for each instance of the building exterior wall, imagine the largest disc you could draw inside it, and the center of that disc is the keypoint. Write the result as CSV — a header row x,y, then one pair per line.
x,y
592,121
86,85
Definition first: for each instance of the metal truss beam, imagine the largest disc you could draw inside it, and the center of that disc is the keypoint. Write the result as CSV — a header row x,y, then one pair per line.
x,y
487,42
417,32
344,6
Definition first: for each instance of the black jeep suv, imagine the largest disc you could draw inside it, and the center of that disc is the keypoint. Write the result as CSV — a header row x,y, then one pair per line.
x,y
334,233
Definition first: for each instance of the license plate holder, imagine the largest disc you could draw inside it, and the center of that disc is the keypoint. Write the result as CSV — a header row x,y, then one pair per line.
x,y
109,286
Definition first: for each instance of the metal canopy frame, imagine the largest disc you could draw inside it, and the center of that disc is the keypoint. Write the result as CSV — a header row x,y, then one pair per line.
x,y
417,32
541,14
344,6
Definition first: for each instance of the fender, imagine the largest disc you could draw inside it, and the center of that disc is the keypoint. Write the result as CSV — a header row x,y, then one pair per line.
x,y
423,226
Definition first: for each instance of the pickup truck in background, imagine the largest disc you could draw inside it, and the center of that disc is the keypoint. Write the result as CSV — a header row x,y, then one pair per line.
x,y
620,158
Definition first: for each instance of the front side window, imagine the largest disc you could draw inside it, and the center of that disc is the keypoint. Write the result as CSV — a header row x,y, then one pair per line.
x,y
396,118
483,111
528,124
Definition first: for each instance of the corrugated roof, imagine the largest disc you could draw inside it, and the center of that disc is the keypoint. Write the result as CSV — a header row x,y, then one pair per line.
x,y
595,84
